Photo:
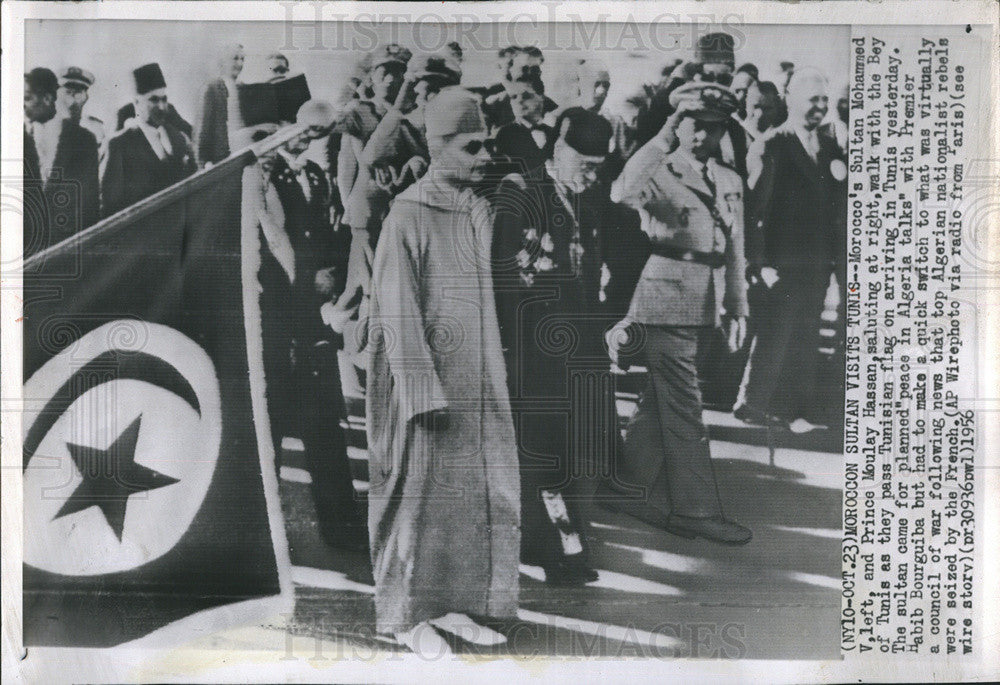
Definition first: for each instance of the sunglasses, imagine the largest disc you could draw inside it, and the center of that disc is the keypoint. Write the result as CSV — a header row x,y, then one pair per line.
x,y
722,79
279,69
474,146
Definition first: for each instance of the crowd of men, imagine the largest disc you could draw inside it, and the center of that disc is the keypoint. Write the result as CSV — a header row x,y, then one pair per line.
x,y
478,254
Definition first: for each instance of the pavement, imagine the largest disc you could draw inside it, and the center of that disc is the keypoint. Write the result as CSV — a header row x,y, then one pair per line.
x,y
658,595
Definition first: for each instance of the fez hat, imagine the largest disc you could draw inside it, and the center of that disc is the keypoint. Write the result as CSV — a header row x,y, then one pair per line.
x,y
455,110
712,101
75,76
584,131
42,80
715,48
148,77
441,65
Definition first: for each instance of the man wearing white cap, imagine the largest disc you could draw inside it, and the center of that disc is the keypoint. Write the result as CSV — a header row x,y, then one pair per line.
x,y
74,91
691,208
444,487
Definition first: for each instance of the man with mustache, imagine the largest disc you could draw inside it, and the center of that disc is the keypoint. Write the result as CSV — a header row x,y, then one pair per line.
x,y
148,156
444,491
545,264
795,238
65,156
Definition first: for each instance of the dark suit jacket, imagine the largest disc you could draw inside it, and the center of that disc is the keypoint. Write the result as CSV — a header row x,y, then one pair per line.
x,y
35,235
73,176
517,151
131,171
797,220
76,161
212,125
537,289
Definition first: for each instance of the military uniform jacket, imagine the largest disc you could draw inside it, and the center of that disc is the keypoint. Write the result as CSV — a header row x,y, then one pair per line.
x,y
680,211
307,222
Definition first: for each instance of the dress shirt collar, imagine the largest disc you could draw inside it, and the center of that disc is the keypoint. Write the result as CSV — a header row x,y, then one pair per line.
x,y
700,168
153,136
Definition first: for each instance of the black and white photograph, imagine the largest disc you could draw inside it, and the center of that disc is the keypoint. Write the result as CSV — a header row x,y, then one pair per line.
x,y
368,339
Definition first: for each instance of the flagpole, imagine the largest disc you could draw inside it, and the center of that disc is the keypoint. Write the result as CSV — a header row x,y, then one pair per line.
x,y
240,158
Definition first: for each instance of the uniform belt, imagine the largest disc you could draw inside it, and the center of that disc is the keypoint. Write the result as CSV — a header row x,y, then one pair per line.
x,y
712,259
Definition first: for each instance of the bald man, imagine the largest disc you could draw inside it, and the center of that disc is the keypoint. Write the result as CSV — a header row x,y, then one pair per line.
x,y
797,179
314,401
219,116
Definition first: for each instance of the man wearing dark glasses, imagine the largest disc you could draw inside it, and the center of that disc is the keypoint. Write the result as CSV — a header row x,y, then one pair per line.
x,y
444,493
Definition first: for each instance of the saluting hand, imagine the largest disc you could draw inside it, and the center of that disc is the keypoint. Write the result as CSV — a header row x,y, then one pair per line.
x,y
668,134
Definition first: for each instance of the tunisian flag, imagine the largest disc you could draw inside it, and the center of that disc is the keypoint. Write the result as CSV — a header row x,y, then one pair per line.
x,y
150,492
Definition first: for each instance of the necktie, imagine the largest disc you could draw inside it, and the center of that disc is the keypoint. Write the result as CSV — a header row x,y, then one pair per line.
x,y
707,179
168,149
303,179
155,142
812,146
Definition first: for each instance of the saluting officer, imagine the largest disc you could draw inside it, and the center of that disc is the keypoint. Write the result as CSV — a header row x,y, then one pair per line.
x,y
691,208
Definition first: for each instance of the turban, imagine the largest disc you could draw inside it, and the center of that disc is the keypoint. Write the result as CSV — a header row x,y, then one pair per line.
x,y
319,113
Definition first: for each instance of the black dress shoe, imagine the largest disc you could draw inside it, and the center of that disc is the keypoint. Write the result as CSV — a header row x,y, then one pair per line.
x,y
562,574
579,565
714,528
755,417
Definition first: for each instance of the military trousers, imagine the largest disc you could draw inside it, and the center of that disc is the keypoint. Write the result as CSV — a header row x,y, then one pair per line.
x,y
666,451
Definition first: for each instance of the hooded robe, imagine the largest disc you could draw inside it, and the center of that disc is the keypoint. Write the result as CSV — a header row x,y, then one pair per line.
x,y
443,504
